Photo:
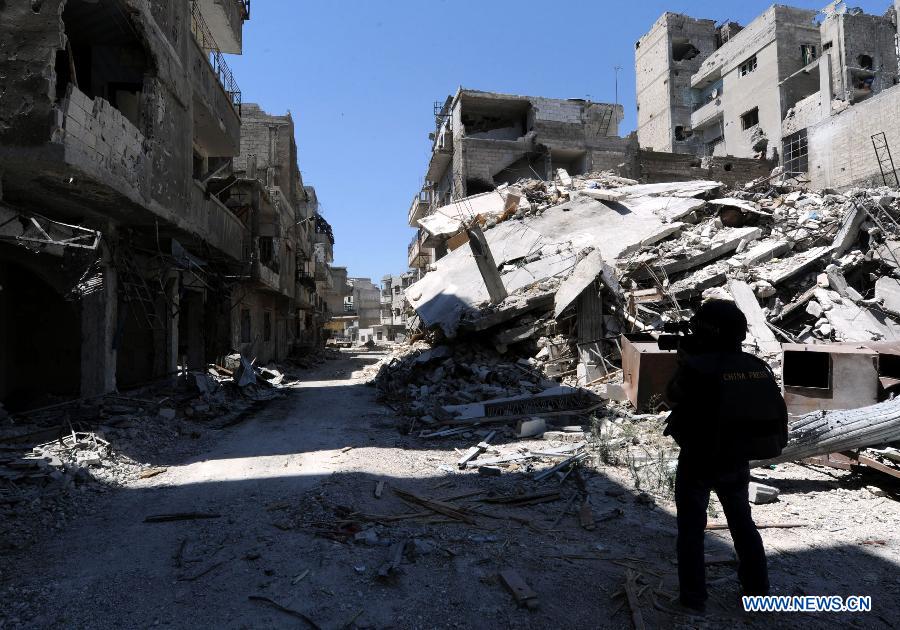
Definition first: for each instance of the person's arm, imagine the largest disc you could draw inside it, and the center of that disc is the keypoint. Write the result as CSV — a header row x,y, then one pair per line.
x,y
686,384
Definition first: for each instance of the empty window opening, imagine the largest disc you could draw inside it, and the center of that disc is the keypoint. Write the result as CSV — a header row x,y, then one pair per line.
x,y
683,50
889,365
807,369
807,53
679,132
826,46
103,57
796,153
267,326
245,326
728,166
268,250
865,62
507,121
750,119
748,66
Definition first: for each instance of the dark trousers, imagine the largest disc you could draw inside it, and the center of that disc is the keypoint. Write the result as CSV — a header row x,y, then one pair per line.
x,y
693,483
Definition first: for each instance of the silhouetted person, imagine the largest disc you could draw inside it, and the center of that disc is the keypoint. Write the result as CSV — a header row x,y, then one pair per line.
x,y
727,409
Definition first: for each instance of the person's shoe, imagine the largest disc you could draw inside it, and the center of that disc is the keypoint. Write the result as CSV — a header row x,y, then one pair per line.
x,y
689,607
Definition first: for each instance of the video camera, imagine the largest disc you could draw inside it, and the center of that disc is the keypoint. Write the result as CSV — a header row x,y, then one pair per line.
x,y
678,336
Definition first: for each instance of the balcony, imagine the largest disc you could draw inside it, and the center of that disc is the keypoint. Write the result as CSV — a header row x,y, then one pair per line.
x,y
419,208
265,276
207,42
417,255
225,19
706,113
306,279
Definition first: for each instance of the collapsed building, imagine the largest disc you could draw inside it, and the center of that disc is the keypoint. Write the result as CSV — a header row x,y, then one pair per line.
x,y
760,173
486,141
140,231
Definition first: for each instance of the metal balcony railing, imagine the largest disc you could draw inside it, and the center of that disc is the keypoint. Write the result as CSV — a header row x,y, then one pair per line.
x,y
214,56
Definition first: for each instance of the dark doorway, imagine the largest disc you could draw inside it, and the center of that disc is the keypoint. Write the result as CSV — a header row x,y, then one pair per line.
x,y
40,341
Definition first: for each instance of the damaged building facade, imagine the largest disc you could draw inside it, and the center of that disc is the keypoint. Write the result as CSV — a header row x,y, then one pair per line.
x,y
483,140
795,87
133,232
394,306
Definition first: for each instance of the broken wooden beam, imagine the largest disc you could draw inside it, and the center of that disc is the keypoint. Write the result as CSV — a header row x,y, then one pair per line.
x,y
180,516
475,451
521,592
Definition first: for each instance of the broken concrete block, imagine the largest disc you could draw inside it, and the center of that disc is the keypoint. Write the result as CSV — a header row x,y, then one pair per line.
x,y
822,280
167,413
761,493
490,471
88,458
564,436
531,427
763,289
611,391
814,308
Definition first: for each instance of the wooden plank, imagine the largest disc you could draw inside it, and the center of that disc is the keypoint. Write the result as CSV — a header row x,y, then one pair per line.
x,y
475,451
586,516
631,595
519,589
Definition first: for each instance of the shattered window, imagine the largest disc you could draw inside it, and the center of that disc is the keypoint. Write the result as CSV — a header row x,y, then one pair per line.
x,y
750,119
748,66
807,53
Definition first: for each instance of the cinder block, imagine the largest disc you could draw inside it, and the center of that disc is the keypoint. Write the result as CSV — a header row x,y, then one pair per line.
x,y
761,493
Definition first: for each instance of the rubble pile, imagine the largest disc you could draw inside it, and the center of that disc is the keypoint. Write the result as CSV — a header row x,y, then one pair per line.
x,y
420,379
805,267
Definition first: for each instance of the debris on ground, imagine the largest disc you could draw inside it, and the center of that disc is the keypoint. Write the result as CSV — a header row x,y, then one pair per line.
x,y
50,456
596,267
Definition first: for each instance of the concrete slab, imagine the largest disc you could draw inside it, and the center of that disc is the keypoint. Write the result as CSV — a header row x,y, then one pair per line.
x,y
693,188
557,236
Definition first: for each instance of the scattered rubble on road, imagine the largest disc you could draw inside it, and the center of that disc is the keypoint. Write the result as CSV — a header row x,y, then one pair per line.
x,y
49,456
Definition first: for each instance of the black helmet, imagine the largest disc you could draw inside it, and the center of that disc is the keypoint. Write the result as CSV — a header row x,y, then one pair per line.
x,y
720,324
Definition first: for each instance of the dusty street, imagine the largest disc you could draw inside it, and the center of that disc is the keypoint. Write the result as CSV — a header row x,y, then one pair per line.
x,y
299,524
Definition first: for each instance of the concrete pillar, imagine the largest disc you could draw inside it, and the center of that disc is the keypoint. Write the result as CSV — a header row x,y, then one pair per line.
x,y
589,309
825,87
486,265
173,301
99,316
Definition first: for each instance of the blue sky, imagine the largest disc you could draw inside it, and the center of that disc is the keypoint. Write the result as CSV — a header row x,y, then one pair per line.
x,y
360,79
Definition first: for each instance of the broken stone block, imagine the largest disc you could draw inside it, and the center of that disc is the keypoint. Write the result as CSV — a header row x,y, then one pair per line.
x,y
490,471
532,427
822,280
611,391
564,436
814,308
763,289
88,458
761,493
167,413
